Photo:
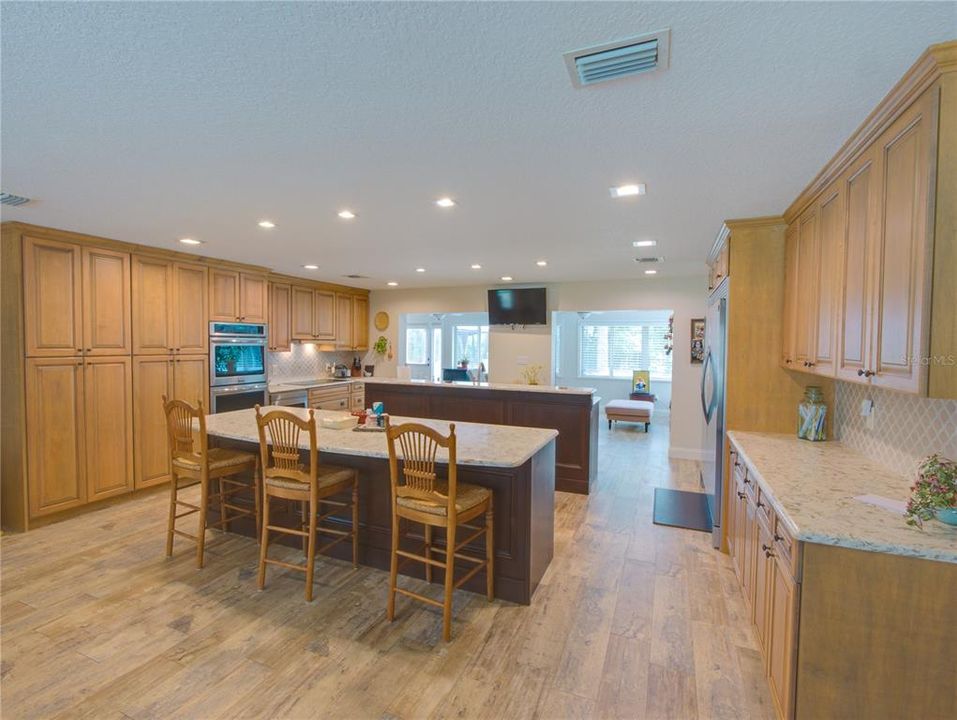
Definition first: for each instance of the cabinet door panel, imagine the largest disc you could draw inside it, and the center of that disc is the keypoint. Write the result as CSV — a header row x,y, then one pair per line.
x,y
831,215
782,637
806,293
223,295
854,319
108,388
107,320
279,316
360,323
253,298
762,571
303,303
52,298
904,249
190,297
344,328
152,379
789,325
191,379
55,442
152,306
325,318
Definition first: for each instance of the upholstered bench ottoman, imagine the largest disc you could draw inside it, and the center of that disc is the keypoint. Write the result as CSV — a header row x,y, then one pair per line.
x,y
638,411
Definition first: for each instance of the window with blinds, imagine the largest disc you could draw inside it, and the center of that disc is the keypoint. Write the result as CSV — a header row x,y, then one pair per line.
x,y
615,350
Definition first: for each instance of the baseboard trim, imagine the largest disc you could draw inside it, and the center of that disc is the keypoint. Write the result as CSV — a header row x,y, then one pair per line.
x,y
677,453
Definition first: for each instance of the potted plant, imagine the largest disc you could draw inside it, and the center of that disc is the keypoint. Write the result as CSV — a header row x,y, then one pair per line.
x,y
934,494
464,363
381,345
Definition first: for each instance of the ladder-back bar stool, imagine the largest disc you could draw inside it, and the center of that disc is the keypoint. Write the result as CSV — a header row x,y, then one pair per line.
x,y
284,476
418,495
200,467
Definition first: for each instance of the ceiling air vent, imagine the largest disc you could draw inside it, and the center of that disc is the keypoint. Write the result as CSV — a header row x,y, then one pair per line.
x,y
354,276
9,199
631,56
649,260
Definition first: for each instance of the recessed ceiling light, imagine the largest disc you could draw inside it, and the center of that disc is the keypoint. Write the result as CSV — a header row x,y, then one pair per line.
x,y
644,243
420,269
347,214
392,284
651,272
267,224
190,241
476,266
311,267
627,190
542,263
507,278
445,202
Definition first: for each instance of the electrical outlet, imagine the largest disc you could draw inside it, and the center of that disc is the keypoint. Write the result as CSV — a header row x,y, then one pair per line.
x,y
522,360
867,412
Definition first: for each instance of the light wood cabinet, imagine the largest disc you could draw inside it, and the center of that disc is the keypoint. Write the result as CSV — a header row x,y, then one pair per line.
x,y
719,264
830,212
325,317
344,322
360,323
183,378
901,275
789,322
108,426
76,299
854,327
169,307
763,560
314,314
56,461
107,324
190,298
235,296
280,317
781,641
805,294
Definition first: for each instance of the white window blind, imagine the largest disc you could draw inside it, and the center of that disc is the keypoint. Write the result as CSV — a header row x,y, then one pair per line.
x,y
615,350
416,346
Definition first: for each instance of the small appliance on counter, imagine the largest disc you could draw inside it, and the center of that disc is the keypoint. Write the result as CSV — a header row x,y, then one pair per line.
x,y
340,371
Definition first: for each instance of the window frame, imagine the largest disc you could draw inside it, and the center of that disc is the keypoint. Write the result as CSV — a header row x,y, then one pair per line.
x,y
647,326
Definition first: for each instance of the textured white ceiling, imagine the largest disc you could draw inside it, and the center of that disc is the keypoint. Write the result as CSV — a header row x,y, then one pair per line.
x,y
151,121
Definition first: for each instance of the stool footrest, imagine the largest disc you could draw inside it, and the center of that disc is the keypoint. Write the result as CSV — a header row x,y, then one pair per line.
x,y
421,598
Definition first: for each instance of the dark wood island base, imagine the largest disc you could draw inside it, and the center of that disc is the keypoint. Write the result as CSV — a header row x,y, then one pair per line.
x,y
574,414
524,501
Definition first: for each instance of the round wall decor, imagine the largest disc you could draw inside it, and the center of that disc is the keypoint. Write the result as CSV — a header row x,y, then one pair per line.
x,y
381,320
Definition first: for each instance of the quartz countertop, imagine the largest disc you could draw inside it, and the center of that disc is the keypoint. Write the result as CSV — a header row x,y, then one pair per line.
x,y
477,443
813,486
552,389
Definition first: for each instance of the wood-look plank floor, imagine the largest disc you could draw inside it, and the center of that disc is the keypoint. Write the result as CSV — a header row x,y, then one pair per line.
x,y
632,620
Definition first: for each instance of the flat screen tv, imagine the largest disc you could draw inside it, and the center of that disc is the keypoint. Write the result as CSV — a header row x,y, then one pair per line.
x,y
517,306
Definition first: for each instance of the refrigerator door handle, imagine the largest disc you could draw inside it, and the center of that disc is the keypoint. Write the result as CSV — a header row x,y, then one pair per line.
x,y
707,407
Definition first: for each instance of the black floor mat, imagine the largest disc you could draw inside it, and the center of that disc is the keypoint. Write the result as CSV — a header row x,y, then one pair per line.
x,y
680,508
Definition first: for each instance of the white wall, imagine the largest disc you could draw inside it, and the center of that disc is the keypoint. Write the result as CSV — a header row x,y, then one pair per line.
x,y
686,296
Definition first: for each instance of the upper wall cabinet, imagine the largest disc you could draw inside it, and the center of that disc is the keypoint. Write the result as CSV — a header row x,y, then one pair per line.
x,y
360,322
280,308
344,322
313,314
76,299
169,307
864,249
237,296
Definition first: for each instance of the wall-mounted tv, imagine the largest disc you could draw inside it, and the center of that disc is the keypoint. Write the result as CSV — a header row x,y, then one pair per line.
x,y
517,306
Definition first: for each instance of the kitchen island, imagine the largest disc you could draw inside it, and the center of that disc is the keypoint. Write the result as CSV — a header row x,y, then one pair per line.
x,y
516,464
572,411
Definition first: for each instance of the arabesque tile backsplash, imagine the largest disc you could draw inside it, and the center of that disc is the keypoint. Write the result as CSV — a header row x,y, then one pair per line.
x,y
304,361
906,428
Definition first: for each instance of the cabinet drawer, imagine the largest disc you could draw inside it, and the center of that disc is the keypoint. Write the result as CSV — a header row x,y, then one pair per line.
x,y
358,402
341,403
332,394
764,507
787,547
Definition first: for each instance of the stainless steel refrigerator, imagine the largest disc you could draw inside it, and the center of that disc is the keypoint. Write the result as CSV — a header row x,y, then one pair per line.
x,y
712,404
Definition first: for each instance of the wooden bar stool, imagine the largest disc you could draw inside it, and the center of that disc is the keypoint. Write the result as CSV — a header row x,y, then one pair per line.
x,y
285,477
200,467
417,495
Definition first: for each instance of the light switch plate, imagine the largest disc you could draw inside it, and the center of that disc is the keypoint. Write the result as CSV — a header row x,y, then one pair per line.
x,y
522,360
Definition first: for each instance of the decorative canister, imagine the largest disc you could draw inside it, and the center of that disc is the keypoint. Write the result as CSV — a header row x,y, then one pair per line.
x,y
811,414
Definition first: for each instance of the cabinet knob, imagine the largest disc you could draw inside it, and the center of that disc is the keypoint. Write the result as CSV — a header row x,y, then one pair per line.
x,y
860,373
868,373
747,481
89,349
811,364
79,350
764,547
768,554
777,538
788,361
79,364
760,504
741,495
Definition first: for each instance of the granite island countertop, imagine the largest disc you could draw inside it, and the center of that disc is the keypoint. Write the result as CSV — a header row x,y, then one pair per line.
x,y
477,443
462,385
813,485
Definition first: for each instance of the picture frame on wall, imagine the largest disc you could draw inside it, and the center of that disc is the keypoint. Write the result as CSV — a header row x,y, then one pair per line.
x,y
697,341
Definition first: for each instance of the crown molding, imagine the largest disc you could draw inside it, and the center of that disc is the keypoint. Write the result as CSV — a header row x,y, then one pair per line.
x,y
935,61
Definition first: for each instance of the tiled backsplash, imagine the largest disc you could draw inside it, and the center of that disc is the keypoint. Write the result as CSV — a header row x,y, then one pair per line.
x,y
304,361
906,428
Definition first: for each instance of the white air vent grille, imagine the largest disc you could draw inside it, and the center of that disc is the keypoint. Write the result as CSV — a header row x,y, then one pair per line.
x,y
649,259
9,199
354,276
631,56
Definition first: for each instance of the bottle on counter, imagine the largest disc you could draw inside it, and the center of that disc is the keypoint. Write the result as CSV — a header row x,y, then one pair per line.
x,y
812,413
